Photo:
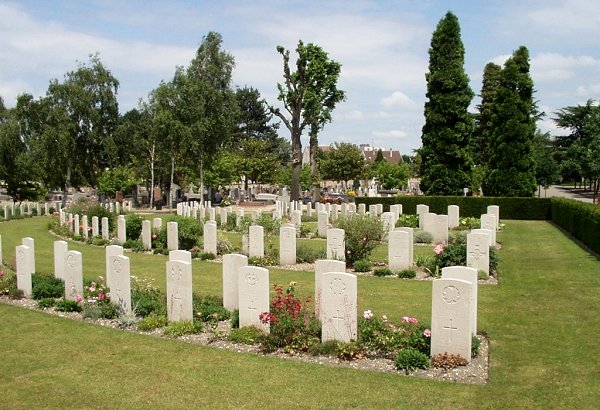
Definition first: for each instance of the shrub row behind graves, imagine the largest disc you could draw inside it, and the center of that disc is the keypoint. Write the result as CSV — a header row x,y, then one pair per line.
x,y
510,208
582,220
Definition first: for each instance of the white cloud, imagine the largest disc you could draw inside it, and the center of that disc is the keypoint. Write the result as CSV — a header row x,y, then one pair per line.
x,y
398,99
556,67
589,91
391,133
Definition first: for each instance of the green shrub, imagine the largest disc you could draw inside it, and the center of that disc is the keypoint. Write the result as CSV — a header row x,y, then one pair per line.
x,y
248,335
469,222
133,226
262,262
494,259
349,350
152,321
582,220
189,230
184,327
453,254
381,336
421,236
328,348
308,254
8,280
46,286
64,305
209,309
15,293
235,318
448,361
103,310
362,265
271,226
363,234
457,237
383,272
411,359
407,274
45,303
475,346
147,299
408,220
225,247
207,256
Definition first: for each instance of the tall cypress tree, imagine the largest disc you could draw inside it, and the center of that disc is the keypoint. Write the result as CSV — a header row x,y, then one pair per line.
x,y
511,167
446,159
483,126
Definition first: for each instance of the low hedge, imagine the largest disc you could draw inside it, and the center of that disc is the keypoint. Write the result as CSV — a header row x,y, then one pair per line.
x,y
580,219
510,208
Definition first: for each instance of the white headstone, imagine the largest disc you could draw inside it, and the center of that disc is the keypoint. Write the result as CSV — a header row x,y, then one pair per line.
x,y
29,242
179,255
297,218
276,214
210,237
231,271
373,210
396,209
245,244
453,216
109,252
469,275
440,230
211,214
60,250
157,223
73,275
147,234
240,217
95,227
495,210
399,250
76,227
223,215
422,210
105,229
179,291
451,317
339,306
253,287
121,230
323,266
488,221
323,220
486,232
478,252
120,291
336,244
287,244
256,244
411,233
379,209
172,236
24,269
387,218
85,226
362,209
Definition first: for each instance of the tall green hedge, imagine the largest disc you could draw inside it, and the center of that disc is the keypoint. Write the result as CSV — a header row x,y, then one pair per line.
x,y
581,219
510,208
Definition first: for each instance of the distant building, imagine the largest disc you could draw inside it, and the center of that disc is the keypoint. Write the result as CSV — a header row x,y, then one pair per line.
x,y
369,153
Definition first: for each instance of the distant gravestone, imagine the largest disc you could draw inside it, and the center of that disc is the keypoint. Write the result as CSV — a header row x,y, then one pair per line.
x,y
120,291
485,232
253,286
323,220
411,233
469,275
379,209
147,234
105,229
451,317
373,210
362,209
76,227
256,244
223,215
231,271
109,252
453,216
440,231
429,221
121,230
495,210
24,269
212,214
95,227
297,218
73,275
422,210
210,237
180,255
309,209
276,214
396,209
399,250
27,241
179,291
488,221
287,244
246,244
336,245
334,212
240,217
60,250
85,226
339,306
157,224
323,266
387,219
172,236
478,252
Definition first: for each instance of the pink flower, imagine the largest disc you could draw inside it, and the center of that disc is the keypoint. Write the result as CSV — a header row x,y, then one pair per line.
x,y
78,298
2,273
438,249
408,319
154,236
367,314
427,333
100,296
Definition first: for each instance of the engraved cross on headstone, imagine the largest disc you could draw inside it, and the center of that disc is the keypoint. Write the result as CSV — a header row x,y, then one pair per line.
x,y
337,319
450,330
475,255
252,310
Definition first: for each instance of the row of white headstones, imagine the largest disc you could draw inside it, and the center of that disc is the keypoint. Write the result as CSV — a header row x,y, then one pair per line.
x,y
454,297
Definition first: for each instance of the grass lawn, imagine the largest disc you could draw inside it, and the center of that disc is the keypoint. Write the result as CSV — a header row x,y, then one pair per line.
x,y
541,319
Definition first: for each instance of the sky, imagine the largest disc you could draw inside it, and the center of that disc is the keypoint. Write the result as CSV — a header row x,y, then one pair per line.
x,y
382,47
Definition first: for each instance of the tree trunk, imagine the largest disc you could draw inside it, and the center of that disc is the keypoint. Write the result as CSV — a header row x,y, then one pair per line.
x,y
67,186
314,166
202,180
296,164
151,205
172,182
